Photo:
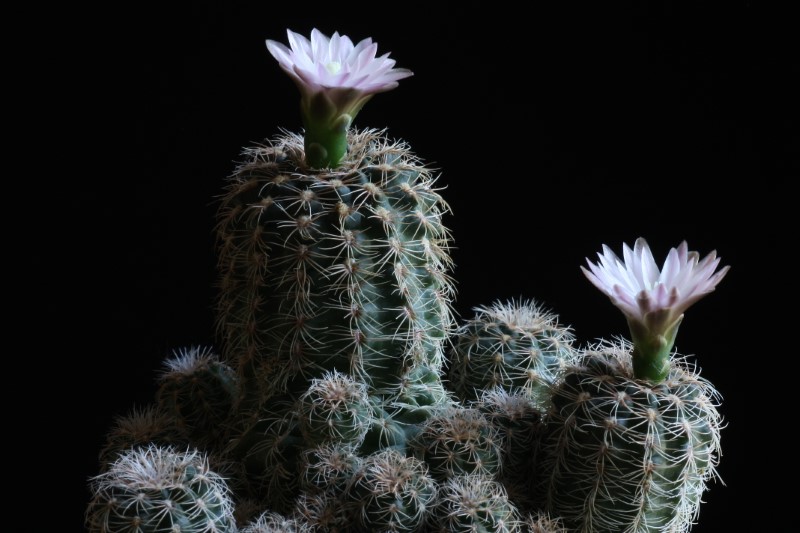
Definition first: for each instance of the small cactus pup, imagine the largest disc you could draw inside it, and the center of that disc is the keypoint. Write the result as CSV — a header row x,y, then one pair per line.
x,y
269,522
156,488
514,345
633,435
334,291
198,391
459,441
141,426
393,492
475,503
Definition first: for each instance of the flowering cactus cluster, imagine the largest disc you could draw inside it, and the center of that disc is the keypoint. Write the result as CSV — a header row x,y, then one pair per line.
x,y
347,397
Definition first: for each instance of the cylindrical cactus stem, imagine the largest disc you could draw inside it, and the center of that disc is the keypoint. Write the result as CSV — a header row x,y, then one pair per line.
x,y
475,503
515,345
158,489
326,270
198,391
393,492
624,454
459,441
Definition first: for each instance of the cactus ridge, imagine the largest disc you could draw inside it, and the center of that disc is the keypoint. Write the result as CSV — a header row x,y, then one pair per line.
x,y
394,492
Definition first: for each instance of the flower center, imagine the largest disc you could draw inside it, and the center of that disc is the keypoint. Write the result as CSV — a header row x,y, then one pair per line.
x,y
333,67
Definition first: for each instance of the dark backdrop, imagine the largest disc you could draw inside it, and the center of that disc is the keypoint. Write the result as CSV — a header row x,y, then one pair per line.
x,y
554,130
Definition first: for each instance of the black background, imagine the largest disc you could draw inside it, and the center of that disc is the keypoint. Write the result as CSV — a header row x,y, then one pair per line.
x,y
555,130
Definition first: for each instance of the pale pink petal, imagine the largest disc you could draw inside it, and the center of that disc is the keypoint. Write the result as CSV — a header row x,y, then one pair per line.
x,y
641,290
334,62
650,272
320,49
299,44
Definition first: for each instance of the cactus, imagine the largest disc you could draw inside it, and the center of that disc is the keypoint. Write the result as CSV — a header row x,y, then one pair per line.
x,y
198,391
340,271
475,503
627,455
518,422
140,427
459,441
393,492
160,489
329,409
516,345
270,522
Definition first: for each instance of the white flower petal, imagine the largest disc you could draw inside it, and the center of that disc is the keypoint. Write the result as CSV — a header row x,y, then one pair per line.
x,y
650,272
320,46
672,267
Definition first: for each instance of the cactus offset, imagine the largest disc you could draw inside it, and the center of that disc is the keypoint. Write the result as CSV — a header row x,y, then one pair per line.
x,y
459,441
159,489
270,522
475,503
198,391
517,346
140,427
393,492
